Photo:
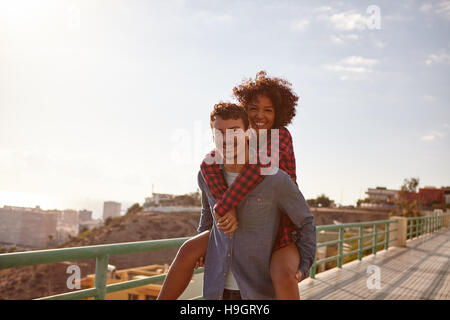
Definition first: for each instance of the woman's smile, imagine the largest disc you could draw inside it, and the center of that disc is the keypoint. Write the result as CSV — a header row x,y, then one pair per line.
x,y
261,113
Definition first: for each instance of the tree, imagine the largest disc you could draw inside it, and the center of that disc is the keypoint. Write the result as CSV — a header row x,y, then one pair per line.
x,y
133,209
403,206
321,201
410,185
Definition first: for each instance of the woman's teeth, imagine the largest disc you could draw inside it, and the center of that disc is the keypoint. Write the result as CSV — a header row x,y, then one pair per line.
x,y
260,124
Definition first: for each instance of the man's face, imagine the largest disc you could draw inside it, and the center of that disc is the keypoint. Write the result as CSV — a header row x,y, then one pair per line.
x,y
261,113
231,131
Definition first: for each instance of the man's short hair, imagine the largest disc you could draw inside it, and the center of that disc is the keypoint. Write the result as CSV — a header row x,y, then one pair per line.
x,y
228,110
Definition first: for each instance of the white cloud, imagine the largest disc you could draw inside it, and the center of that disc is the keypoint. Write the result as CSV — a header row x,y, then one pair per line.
x,y
212,18
323,9
398,18
443,9
426,7
353,67
340,39
438,58
360,61
346,21
300,25
433,136
428,138
335,39
379,44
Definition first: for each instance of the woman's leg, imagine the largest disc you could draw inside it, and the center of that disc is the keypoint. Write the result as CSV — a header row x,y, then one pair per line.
x,y
182,268
283,268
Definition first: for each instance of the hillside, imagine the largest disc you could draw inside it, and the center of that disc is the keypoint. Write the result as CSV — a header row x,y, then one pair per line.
x,y
43,280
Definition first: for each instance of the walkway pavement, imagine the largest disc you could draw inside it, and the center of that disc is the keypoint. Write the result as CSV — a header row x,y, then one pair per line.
x,y
421,270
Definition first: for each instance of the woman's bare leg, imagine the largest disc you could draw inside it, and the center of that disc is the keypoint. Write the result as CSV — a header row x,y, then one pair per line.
x,y
283,268
182,268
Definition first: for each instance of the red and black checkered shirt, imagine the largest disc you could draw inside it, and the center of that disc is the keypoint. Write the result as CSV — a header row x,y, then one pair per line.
x,y
229,197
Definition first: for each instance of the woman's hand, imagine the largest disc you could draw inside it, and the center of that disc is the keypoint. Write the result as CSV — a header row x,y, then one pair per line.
x,y
228,223
200,263
299,276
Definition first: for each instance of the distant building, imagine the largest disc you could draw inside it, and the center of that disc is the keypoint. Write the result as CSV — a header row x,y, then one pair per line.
x,y
428,196
28,227
111,209
431,195
381,194
37,228
447,194
159,199
84,215
67,225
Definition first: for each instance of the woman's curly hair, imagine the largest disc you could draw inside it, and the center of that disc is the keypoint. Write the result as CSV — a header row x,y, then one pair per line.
x,y
278,90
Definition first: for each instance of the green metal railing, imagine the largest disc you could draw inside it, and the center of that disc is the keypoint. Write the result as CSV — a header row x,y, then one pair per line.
x,y
417,226
101,253
360,240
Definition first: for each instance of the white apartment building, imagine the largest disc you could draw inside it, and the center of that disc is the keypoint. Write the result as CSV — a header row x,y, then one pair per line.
x,y
111,209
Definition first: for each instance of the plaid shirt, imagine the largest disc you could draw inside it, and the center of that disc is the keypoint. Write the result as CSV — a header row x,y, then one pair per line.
x,y
229,197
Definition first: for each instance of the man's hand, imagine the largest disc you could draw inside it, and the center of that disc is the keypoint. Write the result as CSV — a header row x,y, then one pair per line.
x,y
228,223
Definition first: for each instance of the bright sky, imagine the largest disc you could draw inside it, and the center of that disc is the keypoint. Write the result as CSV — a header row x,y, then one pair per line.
x,y
101,99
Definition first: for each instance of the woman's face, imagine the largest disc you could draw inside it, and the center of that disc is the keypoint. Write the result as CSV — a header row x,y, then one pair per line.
x,y
261,113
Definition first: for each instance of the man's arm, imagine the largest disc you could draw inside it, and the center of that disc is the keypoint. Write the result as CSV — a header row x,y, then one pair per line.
x,y
292,202
206,220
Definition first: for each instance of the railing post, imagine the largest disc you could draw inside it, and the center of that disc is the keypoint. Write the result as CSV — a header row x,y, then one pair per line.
x,y
312,271
401,234
360,242
410,228
374,250
340,246
386,236
416,233
101,271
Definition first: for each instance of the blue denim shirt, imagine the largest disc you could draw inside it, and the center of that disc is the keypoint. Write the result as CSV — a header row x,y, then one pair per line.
x,y
249,251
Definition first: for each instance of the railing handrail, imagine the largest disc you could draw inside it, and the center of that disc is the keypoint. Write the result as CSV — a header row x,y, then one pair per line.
x,y
29,258
354,224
